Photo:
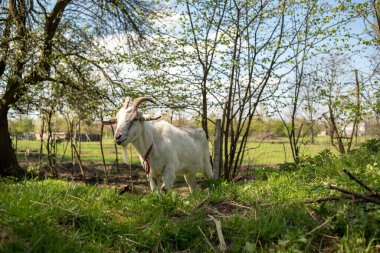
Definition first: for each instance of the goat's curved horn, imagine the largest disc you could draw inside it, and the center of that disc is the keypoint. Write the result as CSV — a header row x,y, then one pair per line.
x,y
149,117
140,100
113,120
127,101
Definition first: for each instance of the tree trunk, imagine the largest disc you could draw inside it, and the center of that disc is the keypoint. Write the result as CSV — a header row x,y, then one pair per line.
x,y
8,161
312,133
102,151
42,140
204,105
116,152
217,149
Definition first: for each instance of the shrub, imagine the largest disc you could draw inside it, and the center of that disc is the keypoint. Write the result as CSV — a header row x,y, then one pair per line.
x,y
372,145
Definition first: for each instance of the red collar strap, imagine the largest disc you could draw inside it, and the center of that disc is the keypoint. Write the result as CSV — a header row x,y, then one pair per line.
x,y
146,162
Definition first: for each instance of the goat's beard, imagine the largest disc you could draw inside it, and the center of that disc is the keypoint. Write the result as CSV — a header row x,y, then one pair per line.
x,y
124,153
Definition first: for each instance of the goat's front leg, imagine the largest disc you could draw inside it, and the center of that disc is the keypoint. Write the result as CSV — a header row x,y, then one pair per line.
x,y
154,184
168,179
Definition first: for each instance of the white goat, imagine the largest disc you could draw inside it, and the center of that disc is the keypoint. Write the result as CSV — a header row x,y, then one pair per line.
x,y
165,150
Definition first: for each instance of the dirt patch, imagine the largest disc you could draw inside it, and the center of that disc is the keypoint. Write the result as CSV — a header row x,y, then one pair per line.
x,y
123,178
228,208
6,234
95,174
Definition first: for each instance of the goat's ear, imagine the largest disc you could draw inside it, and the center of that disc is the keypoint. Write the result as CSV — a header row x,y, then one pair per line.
x,y
113,120
148,117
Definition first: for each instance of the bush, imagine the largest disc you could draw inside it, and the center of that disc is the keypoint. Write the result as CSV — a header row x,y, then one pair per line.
x,y
372,145
289,167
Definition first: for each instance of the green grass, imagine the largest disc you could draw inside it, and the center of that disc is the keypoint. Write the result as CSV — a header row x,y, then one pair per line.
x,y
90,151
278,151
272,152
263,215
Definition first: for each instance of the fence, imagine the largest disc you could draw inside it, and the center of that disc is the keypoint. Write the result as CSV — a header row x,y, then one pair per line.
x,y
24,136
259,152
82,137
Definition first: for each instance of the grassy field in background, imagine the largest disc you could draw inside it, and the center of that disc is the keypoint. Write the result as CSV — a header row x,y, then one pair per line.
x,y
90,152
277,151
268,152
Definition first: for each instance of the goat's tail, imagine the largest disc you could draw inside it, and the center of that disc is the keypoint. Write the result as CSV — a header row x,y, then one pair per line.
x,y
207,169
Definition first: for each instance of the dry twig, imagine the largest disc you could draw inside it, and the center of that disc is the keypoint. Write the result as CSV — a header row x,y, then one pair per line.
x,y
222,243
320,200
372,197
357,196
207,241
360,182
316,228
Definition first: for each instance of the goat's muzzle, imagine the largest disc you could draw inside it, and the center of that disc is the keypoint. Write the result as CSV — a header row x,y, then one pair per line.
x,y
119,139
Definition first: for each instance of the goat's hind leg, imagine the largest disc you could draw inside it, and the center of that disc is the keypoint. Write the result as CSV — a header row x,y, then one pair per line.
x,y
190,180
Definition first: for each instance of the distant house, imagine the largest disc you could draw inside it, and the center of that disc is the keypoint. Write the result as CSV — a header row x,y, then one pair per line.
x,y
347,130
83,137
55,136
350,128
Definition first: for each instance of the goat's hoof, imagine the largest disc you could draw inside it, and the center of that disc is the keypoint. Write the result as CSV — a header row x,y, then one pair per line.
x,y
164,190
127,188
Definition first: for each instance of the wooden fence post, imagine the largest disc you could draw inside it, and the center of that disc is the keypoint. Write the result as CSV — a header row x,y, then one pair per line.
x,y
217,149
102,151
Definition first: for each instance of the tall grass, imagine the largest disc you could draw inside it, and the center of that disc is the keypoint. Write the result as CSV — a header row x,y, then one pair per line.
x,y
263,215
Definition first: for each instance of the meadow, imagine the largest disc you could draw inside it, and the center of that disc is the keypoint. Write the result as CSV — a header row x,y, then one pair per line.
x,y
272,213
261,67
269,152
